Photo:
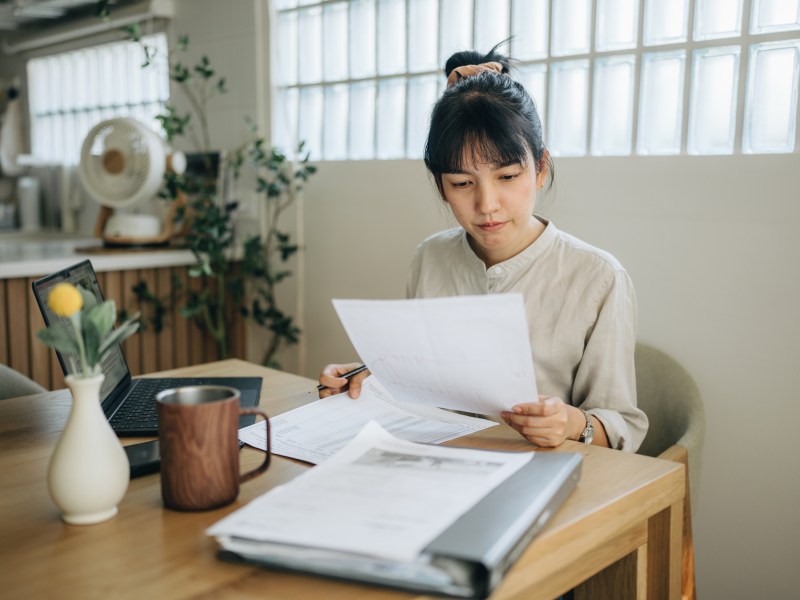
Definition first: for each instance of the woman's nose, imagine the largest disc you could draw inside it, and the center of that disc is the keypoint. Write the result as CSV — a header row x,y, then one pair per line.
x,y
487,200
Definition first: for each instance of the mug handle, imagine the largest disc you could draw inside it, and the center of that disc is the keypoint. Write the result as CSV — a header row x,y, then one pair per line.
x,y
263,467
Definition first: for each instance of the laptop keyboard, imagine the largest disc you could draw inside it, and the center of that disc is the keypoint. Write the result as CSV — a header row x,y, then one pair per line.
x,y
139,409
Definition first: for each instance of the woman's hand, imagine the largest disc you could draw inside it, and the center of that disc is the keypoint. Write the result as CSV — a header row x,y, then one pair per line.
x,y
335,384
545,423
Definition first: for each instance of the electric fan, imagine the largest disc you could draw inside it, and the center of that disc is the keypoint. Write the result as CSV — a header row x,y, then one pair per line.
x,y
122,166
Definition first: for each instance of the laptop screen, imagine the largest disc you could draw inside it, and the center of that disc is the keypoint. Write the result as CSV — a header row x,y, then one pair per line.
x,y
114,366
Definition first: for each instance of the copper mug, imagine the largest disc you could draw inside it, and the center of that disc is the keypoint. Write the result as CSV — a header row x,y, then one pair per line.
x,y
197,429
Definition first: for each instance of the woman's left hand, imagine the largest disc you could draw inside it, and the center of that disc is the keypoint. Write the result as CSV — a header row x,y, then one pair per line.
x,y
544,423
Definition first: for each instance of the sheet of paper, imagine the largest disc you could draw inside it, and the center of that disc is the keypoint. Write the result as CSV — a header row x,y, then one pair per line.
x,y
469,353
317,430
378,496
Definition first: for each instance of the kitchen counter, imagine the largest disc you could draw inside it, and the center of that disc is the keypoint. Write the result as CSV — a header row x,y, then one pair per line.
x,y
41,253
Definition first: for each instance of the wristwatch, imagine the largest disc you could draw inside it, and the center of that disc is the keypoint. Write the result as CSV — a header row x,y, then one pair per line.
x,y
587,435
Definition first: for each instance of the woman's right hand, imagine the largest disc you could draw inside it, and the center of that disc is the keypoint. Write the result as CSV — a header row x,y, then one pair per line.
x,y
335,384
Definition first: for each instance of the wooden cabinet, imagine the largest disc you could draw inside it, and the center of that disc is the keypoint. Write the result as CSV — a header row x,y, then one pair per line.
x,y
180,343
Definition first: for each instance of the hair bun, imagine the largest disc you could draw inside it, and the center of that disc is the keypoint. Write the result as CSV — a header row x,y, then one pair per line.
x,y
471,57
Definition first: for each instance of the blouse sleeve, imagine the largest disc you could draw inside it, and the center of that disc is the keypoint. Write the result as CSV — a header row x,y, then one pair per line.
x,y
605,381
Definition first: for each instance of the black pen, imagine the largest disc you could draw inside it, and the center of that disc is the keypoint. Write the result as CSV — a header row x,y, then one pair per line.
x,y
347,375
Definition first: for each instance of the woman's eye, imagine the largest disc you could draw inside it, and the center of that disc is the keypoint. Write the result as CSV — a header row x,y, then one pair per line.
x,y
509,176
460,184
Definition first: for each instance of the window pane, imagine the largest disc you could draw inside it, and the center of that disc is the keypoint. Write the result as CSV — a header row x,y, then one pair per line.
x,y
771,105
362,42
362,120
775,15
569,84
423,18
391,37
491,23
310,37
334,41
455,32
284,119
335,134
391,118
612,99
310,126
712,112
717,19
661,103
534,78
279,4
530,28
571,27
287,49
665,21
422,93
617,24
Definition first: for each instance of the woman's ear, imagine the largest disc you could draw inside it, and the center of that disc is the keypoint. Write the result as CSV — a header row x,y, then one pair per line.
x,y
542,168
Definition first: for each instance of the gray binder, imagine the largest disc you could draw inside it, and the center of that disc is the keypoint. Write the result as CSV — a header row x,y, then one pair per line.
x,y
469,559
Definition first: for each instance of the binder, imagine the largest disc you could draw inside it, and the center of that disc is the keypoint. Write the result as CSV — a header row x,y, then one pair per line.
x,y
467,560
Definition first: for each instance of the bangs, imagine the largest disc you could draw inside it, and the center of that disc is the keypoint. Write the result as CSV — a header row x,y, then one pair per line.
x,y
480,132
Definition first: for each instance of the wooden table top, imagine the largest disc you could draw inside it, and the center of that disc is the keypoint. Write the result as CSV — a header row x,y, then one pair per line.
x,y
148,551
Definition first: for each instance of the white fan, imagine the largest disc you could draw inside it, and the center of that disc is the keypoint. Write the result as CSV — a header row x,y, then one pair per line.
x,y
122,165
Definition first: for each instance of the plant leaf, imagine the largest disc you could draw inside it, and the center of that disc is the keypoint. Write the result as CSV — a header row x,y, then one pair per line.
x,y
91,342
60,337
89,299
102,317
123,332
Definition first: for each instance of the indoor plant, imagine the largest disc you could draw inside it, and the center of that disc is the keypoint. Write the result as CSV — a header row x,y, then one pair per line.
x,y
238,274
89,471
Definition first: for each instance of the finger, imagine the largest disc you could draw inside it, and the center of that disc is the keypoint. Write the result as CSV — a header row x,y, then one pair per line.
x,y
325,392
356,382
331,375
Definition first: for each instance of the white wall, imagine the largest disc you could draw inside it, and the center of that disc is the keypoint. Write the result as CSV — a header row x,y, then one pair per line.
x,y
712,246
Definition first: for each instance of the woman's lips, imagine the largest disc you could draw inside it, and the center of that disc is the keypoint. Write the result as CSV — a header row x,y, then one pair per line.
x,y
491,226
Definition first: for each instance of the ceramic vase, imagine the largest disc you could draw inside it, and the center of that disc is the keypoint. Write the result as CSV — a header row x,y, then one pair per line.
x,y
89,471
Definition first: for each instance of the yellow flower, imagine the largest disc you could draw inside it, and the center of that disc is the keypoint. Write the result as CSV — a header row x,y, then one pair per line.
x,y
65,300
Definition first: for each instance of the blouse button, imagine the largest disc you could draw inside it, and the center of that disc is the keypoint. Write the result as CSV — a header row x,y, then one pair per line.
x,y
497,271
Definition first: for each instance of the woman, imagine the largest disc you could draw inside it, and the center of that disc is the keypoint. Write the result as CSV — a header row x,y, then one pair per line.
x,y
486,153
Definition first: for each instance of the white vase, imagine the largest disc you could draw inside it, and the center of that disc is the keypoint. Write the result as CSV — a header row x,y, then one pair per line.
x,y
89,471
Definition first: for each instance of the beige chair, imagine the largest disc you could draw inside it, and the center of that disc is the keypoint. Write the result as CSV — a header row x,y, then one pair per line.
x,y
13,384
670,398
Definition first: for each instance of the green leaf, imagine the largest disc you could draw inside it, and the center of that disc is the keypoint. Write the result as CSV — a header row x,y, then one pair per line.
x,y
183,42
102,317
60,337
123,332
89,299
91,342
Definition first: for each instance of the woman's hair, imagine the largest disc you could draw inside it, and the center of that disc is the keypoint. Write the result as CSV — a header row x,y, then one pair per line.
x,y
483,118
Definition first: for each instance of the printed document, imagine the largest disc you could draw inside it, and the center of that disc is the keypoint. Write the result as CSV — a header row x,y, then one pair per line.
x,y
317,430
469,353
379,496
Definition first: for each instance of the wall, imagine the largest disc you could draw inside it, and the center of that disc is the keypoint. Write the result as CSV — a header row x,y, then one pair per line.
x,y
712,247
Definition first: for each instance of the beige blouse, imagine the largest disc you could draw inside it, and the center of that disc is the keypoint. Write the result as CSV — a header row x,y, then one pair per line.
x,y
581,309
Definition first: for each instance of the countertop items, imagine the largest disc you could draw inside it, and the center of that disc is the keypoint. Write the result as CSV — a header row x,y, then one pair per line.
x,y
34,255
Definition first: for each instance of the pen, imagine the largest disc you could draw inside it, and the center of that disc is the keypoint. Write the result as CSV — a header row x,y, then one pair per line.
x,y
347,375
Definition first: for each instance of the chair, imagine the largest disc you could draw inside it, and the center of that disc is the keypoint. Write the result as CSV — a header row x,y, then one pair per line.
x,y
671,399
13,384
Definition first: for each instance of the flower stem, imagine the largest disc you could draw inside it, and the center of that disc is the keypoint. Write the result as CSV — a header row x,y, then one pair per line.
x,y
76,323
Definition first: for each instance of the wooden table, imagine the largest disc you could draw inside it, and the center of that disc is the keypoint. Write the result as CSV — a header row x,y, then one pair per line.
x,y
619,532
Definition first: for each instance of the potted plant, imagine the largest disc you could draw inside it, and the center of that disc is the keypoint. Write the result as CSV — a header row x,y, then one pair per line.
x,y
89,471
243,274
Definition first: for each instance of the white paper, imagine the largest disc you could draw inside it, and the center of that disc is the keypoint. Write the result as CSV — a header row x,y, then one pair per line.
x,y
317,430
469,353
378,496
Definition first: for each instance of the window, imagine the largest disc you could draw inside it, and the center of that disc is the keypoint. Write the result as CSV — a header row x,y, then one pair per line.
x,y
70,93
356,79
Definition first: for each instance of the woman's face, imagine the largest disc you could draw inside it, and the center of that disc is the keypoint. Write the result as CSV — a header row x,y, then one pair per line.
x,y
494,204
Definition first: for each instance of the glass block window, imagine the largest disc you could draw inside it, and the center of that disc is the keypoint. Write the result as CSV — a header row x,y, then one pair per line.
x,y
69,93
356,79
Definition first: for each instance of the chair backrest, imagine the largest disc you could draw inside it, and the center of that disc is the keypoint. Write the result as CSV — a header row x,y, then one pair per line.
x,y
671,399
13,384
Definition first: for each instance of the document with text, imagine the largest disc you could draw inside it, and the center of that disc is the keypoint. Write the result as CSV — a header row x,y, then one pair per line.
x,y
469,353
316,431
378,496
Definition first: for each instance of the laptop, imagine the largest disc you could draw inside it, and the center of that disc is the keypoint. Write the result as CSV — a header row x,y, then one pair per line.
x,y
130,404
